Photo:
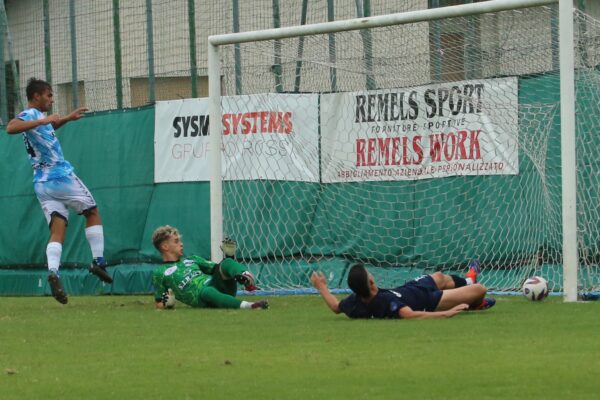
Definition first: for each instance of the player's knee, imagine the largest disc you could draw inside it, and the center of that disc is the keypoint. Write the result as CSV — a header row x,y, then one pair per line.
x,y
481,290
91,212
57,219
438,277
441,280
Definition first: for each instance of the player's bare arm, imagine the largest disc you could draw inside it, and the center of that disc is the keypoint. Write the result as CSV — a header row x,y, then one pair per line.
x,y
319,281
73,116
409,313
16,125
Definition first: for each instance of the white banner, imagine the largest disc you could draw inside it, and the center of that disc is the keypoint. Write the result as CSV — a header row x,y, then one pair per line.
x,y
271,136
265,136
456,128
181,141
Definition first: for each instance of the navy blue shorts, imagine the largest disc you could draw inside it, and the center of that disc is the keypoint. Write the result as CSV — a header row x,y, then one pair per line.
x,y
424,293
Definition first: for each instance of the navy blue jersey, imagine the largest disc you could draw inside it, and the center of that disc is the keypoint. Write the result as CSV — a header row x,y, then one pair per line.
x,y
421,294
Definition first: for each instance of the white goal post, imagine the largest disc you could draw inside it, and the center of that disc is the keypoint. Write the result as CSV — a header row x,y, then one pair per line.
x,y
567,105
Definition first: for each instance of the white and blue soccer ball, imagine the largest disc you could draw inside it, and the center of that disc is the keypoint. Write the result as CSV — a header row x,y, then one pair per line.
x,y
535,288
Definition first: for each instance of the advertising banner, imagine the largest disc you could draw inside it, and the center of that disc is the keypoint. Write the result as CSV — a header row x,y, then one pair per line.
x,y
181,141
456,128
265,136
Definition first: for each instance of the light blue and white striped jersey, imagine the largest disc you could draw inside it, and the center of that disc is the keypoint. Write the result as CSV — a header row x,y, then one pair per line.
x,y
44,149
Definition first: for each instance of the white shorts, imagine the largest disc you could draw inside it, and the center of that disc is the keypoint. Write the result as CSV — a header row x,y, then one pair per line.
x,y
58,195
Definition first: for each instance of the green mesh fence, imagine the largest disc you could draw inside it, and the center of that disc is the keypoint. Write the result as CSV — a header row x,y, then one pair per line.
x,y
113,54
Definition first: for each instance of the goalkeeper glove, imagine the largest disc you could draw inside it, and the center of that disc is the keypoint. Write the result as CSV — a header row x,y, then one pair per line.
x,y
168,299
228,247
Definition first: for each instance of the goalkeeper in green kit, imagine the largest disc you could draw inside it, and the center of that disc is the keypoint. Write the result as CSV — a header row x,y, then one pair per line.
x,y
195,281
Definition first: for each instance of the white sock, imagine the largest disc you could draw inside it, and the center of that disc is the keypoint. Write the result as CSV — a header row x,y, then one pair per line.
x,y
95,237
53,253
469,281
246,304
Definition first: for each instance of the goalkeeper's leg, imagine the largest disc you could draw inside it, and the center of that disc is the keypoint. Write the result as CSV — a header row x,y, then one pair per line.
x,y
230,268
230,273
213,298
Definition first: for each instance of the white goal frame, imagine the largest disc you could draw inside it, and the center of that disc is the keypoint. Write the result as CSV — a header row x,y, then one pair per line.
x,y
567,105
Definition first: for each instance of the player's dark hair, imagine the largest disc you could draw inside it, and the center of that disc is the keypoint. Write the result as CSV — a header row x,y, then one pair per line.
x,y
358,280
38,86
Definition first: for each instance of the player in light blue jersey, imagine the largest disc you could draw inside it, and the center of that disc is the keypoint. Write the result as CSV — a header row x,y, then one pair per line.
x,y
54,182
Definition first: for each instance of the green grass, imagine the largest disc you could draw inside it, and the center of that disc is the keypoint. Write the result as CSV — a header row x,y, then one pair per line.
x,y
119,347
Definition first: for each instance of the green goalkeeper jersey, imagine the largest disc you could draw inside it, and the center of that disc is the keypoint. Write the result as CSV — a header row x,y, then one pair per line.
x,y
186,278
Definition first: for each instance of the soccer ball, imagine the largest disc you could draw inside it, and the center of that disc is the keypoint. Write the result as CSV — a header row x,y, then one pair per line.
x,y
535,288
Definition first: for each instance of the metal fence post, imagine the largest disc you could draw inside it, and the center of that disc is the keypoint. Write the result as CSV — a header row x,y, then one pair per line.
x,y
236,48
298,77
192,32
47,53
118,58
277,48
150,43
3,98
74,82
332,50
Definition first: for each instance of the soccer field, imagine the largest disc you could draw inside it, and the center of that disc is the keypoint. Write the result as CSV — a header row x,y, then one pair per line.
x,y
119,347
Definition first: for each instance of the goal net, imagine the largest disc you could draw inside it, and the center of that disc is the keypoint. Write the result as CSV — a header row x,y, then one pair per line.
x,y
410,148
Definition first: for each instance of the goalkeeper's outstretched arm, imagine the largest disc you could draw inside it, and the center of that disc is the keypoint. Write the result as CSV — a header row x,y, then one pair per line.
x,y
166,302
319,281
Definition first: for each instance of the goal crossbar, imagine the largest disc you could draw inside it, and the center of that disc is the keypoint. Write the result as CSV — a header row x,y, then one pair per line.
x,y
376,21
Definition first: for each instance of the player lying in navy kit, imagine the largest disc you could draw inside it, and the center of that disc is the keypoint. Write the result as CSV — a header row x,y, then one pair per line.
x,y
430,296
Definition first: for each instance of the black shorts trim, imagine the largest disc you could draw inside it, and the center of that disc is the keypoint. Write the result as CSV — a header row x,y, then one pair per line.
x,y
58,215
87,210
